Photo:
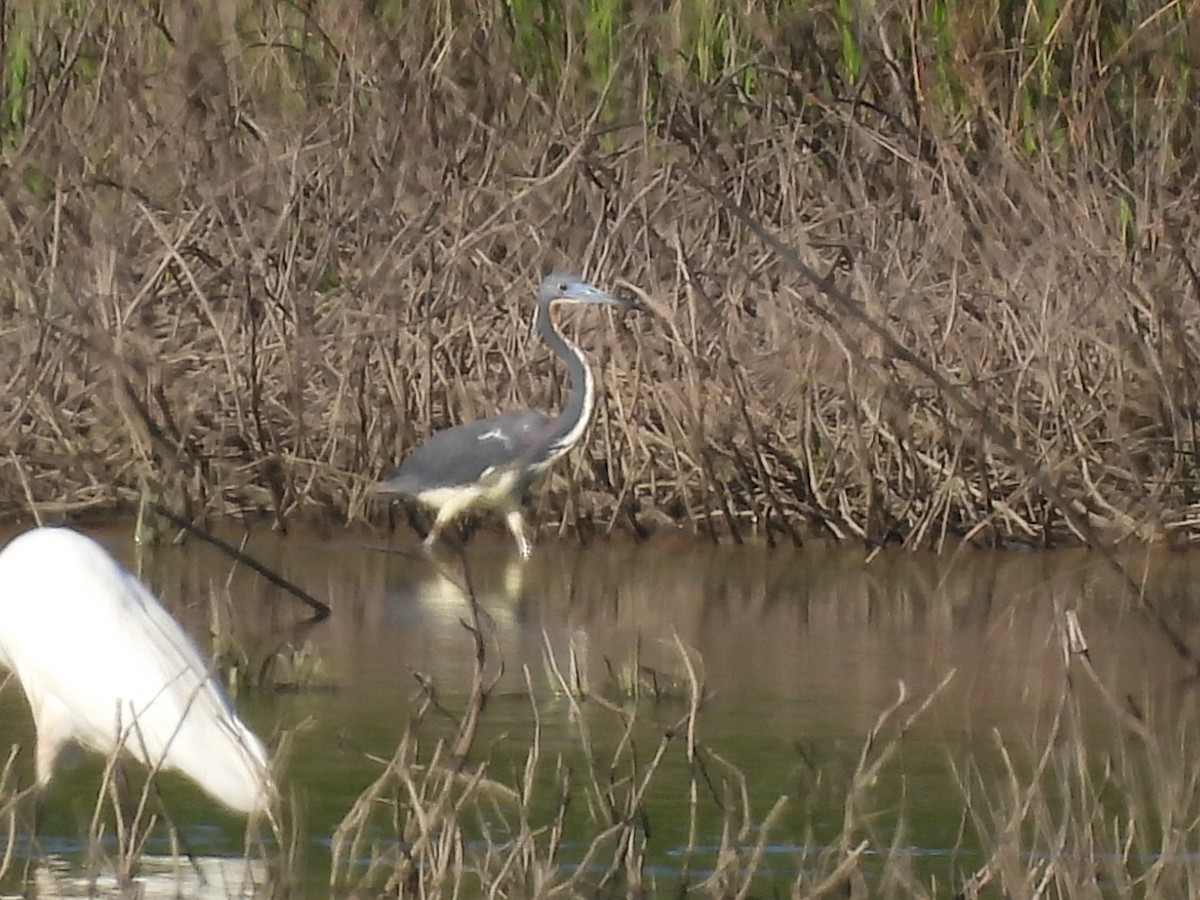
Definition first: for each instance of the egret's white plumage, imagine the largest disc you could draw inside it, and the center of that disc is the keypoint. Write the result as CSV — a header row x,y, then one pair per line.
x,y
104,665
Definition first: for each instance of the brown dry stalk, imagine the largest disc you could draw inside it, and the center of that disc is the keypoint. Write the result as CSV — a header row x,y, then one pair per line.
x,y
262,276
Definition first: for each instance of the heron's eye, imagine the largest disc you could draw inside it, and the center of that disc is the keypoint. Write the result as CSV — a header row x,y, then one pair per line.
x,y
562,287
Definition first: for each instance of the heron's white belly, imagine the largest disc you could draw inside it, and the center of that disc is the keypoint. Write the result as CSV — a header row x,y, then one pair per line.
x,y
493,491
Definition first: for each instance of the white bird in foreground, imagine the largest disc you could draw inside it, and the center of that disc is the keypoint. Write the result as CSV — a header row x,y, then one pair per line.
x,y
103,665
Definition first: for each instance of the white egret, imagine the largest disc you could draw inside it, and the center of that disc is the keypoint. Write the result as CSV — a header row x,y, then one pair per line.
x,y
105,667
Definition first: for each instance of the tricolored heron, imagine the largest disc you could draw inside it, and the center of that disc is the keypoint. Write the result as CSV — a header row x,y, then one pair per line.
x,y
104,666
491,463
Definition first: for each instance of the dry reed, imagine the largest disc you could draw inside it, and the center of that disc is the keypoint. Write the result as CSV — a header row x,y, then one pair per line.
x,y
254,253
1097,800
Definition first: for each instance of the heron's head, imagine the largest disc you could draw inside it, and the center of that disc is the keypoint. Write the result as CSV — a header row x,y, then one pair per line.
x,y
562,288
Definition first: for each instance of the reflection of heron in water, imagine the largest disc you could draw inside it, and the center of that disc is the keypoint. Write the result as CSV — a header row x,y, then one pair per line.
x,y
492,463
431,603
436,596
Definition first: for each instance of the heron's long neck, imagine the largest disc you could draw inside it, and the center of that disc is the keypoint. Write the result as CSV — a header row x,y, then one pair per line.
x,y
569,426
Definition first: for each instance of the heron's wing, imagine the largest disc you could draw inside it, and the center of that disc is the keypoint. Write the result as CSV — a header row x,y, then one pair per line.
x,y
88,640
468,453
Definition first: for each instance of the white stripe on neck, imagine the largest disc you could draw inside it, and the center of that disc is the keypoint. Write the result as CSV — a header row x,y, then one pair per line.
x,y
568,440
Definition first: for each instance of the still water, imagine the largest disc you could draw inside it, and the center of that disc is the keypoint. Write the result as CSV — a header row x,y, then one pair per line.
x,y
799,653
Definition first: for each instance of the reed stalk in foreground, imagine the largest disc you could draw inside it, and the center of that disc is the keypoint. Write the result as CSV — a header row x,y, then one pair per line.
x,y
442,817
1099,803
1098,799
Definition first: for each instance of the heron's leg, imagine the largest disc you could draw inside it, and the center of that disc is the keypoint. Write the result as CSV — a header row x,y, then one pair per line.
x,y
443,518
515,521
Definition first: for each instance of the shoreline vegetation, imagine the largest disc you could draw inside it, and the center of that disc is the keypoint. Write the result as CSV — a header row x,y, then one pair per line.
x,y
254,253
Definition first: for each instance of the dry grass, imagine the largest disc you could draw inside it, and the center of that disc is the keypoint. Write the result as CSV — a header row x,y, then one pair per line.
x,y
254,254
1098,799
444,819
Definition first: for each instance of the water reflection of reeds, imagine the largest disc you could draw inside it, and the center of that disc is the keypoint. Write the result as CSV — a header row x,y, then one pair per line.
x,y
784,622
798,651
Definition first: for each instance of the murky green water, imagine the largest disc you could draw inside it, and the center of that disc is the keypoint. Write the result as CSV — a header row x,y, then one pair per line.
x,y
800,652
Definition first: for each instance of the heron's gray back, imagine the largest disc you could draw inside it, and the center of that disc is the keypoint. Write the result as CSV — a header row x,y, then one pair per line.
x,y
463,454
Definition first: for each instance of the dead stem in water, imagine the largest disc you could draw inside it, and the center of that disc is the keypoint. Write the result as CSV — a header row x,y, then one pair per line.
x,y
1074,816
441,820
1099,800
